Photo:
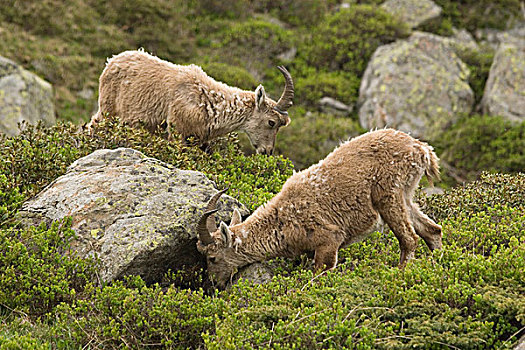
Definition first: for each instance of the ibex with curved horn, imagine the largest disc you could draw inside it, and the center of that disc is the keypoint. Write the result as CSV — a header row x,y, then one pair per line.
x,y
334,203
142,89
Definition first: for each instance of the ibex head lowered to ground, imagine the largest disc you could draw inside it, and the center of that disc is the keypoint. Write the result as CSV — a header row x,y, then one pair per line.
x,y
330,205
142,89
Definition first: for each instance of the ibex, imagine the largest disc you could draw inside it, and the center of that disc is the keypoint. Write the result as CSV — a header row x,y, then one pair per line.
x,y
142,89
333,203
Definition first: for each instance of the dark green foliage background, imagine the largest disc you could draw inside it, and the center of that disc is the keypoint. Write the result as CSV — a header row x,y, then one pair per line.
x,y
470,295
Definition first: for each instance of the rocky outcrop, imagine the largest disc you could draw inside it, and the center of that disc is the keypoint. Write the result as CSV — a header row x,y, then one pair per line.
x,y
23,97
412,12
418,85
494,37
138,215
505,88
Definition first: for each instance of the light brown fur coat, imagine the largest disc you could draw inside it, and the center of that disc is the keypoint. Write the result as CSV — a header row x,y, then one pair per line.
x,y
140,88
334,203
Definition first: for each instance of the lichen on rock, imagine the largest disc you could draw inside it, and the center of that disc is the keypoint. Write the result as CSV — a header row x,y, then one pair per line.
x,y
23,97
136,214
505,89
418,85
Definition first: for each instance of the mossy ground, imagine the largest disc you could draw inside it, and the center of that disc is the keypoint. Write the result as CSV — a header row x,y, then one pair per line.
x,y
470,295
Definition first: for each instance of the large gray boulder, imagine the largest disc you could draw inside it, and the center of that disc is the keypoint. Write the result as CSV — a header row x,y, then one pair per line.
x,y
412,12
418,85
505,89
138,215
494,37
23,97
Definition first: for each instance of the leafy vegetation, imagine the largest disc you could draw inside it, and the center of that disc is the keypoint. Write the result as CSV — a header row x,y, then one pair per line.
x,y
313,135
483,143
474,14
344,41
470,295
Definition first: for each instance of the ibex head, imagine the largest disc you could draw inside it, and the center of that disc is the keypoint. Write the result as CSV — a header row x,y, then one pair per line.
x,y
217,244
268,116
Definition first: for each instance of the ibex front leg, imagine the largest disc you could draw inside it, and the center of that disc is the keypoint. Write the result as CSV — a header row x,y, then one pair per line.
x,y
328,240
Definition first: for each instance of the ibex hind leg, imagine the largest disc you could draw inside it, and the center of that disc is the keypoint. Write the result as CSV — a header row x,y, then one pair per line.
x,y
425,227
395,213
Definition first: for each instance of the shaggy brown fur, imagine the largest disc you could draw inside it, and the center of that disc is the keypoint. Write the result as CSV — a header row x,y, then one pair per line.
x,y
143,89
334,203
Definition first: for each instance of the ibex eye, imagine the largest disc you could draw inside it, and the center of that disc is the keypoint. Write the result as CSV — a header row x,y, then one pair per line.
x,y
271,123
211,259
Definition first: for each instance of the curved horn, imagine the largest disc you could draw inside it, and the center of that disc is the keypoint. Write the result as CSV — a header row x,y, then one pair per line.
x,y
207,221
286,99
202,228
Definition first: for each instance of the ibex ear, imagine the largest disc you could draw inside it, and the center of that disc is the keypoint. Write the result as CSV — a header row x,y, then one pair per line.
x,y
226,235
260,97
236,217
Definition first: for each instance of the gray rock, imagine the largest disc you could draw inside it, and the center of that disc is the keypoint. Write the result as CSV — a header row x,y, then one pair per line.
x,y
288,56
505,89
494,37
23,97
138,215
521,344
258,273
412,12
332,106
418,85
463,39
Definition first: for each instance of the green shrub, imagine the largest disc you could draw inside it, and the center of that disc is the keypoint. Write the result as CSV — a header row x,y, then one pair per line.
x,y
138,316
311,136
21,342
479,63
297,13
473,14
347,39
440,26
230,75
488,192
252,41
483,143
233,9
37,269
342,86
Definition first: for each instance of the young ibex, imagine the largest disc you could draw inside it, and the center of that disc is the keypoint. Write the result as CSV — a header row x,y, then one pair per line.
x,y
330,205
143,89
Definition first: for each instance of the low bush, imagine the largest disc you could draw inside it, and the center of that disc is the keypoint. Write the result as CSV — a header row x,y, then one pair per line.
x,y
37,269
305,13
311,136
488,192
347,39
230,75
473,14
252,41
479,143
138,316
342,86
